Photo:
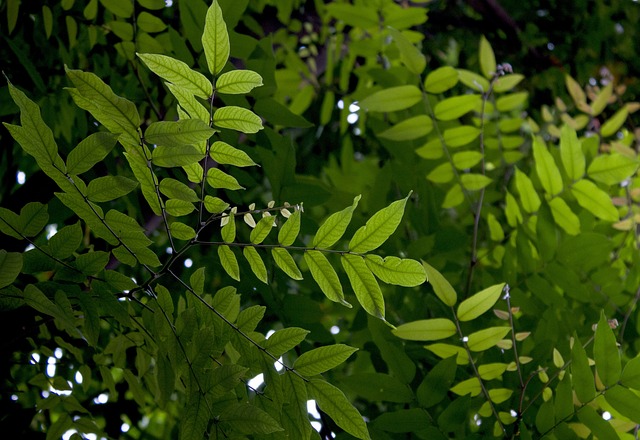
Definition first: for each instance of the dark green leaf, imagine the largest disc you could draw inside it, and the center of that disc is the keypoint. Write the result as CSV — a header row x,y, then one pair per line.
x,y
606,354
322,359
107,188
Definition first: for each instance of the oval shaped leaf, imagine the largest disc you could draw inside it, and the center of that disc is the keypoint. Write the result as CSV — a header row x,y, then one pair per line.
x,y
485,339
611,125
397,271
441,80
178,73
364,285
611,169
334,226
178,133
392,99
237,118
443,290
106,188
426,330
546,167
606,354
285,261
325,275
459,136
479,303
571,153
229,262
452,108
487,58
238,81
257,266
215,39
595,200
409,129
564,216
378,228
175,156
322,359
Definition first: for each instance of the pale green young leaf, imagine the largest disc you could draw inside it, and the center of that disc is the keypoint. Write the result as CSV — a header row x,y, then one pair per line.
x,y
10,267
602,99
397,271
528,195
613,168
219,179
214,205
571,153
485,339
175,189
446,351
452,108
470,386
189,103
322,359
181,231
237,118
107,188
334,227
283,340
89,212
285,261
512,211
409,129
410,56
90,151
215,39
473,80
290,229
595,200
564,216
65,242
507,82
546,168
512,101
256,263
487,58
443,290
466,159
225,154
364,285
474,181
249,318
335,404
177,207
250,420
325,275
229,262
581,374
491,371
169,157
426,330
613,124
631,374
178,133
479,303
238,82
459,136
117,114
378,228
606,353
392,99
178,73
576,92
443,173
495,228
625,401
262,229
441,80
34,216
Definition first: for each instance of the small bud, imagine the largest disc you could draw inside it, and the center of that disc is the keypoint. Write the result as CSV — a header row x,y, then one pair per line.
x,y
252,207
271,204
285,213
248,219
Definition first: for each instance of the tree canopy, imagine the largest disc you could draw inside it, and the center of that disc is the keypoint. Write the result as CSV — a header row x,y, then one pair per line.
x,y
368,219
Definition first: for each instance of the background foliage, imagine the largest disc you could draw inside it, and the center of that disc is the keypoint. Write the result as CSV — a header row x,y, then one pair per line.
x,y
139,289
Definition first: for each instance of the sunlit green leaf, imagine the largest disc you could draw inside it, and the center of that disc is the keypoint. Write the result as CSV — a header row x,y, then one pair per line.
x,y
528,195
459,136
224,153
181,231
485,339
238,81
409,129
119,7
474,181
613,124
443,290
613,168
178,73
215,39
237,118
322,359
364,285
446,351
334,226
452,108
606,354
104,189
600,427
582,376
466,159
410,55
546,167
175,189
150,23
473,80
285,339
392,99
470,386
378,228
262,229
491,371
507,82
479,303
441,80
290,229
189,103
285,261
229,262
175,156
219,179
571,153
215,205
487,58
595,200
625,401
397,271
511,101
325,275
90,151
178,133
177,207
564,217
426,330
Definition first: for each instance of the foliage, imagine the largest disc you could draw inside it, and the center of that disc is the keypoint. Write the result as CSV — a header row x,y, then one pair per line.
x,y
135,299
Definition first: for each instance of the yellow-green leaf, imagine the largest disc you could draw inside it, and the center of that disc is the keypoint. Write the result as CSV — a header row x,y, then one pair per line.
x,y
469,386
485,339
392,99
215,39
487,58
322,359
511,101
256,264
507,82
290,230
364,285
443,290
397,271
229,262
237,118
262,229
625,401
238,82
219,179
334,226
564,216
411,56
611,125
459,136
473,80
595,200
528,195
474,181
178,156
445,351
426,330
546,167
285,261
378,228
613,168
452,108
178,73
571,153
441,80
325,275
479,303
409,129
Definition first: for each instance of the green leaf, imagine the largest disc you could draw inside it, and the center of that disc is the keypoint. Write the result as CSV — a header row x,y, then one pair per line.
x,y
443,290
178,73
214,205
10,267
175,189
443,173
507,82
224,153
564,217
625,401
107,188
452,108
322,359
325,275
474,81
491,371
397,271
392,99
403,421
334,227
410,55
285,339
600,428
613,168
150,23
426,330
175,156
285,261
354,15
441,80
595,200
446,351
237,118
576,92
181,231
229,262
290,229
528,195
90,151
248,419
378,387
177,207
64,243
631,374
602,99
581,375
474,182
495,228
262,229
37,300
148,181
479,303
546,167
189,103
487,58
511,101
470,386
89,212
409,129
10,223
435,386
459,136
466,159
229,229
334,403
178,133
238,81
571,153
613,124
219,179
606,354
364,285
121,8
215,39
378,228
33,218
485,339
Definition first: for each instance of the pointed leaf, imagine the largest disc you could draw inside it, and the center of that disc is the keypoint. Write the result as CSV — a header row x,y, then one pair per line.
x,y
546,167
392,99
248,419
613,124
409,129
459,136
397,271
10,267
364,285
474,181
325,275
606,354
571,153
479,303
178,73
441,80
485,339
487,58
285,261
452,108
334,227
528,195
443,290
410,55
322,359
107,188
378,228
600,428
581,374
238,82
446,351
178,208
474,81
595,200
256,263
229,262
631,374
219,179
426,330
225,154
175,189
290,230
564,217
284,340
178,133
511,101
625,401
470,386
262,229
215,39
507,82
33,218
215,205
611,169
90,151
189,103
237,118
65,242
